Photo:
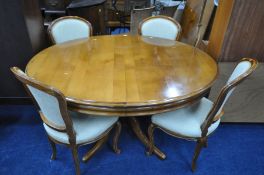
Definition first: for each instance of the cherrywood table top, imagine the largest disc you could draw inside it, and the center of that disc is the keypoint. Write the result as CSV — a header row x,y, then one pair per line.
x,y
125,75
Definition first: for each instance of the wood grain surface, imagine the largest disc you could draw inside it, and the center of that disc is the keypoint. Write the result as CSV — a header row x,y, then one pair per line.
x,y
125,71
190,20
22,35
245,34
237,31
220,25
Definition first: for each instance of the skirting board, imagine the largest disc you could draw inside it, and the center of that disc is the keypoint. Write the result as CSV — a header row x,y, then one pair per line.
x,y
246,104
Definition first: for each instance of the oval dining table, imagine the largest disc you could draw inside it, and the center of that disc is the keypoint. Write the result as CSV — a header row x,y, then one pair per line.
x,y
124,75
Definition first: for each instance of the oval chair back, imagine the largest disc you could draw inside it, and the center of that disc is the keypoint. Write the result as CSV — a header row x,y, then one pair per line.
x,y
243,69
51,103
161,27
69,28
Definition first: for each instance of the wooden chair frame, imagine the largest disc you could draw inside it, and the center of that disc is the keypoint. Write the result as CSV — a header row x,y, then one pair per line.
x,y
163,17
67,17
210,119
67,120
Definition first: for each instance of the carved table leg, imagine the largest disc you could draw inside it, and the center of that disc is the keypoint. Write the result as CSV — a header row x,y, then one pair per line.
x,y
94,149
143,138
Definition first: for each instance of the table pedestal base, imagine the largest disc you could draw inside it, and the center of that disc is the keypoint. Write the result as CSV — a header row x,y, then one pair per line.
x,y
137,130
94,149
143,138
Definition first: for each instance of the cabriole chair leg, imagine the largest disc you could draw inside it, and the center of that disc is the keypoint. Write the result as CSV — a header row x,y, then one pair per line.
x,y
118,129
76,159
199,146
53,146
151,129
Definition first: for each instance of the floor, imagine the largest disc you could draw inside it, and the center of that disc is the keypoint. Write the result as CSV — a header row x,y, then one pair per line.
x,y
24,149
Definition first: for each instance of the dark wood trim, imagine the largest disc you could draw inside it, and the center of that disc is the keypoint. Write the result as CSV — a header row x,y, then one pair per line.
x,y
132,111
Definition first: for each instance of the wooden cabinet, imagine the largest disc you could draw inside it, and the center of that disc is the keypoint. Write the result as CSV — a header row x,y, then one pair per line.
x,y
22,36
238,30
94,12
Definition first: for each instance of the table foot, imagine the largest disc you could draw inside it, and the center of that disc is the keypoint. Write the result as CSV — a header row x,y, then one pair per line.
x,y
94,149
143,138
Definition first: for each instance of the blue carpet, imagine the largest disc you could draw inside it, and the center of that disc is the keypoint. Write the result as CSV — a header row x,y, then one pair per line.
x,y
119,30
235,149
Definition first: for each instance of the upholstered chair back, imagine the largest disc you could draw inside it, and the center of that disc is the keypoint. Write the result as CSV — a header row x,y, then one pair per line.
x,y
49,106
51,102
160,26
243,69
69,28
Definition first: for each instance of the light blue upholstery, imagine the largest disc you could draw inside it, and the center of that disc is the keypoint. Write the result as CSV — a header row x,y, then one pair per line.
x,y
69,29
161,28
86,127
49,106
240,69
186,121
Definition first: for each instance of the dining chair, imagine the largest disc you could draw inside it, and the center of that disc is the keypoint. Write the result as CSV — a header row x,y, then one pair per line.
x,y
69,28
199,120
160,26
137,15
67,127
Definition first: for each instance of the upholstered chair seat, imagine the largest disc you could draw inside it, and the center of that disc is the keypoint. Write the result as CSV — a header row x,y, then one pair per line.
x,y
187,121
87,128
160,26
